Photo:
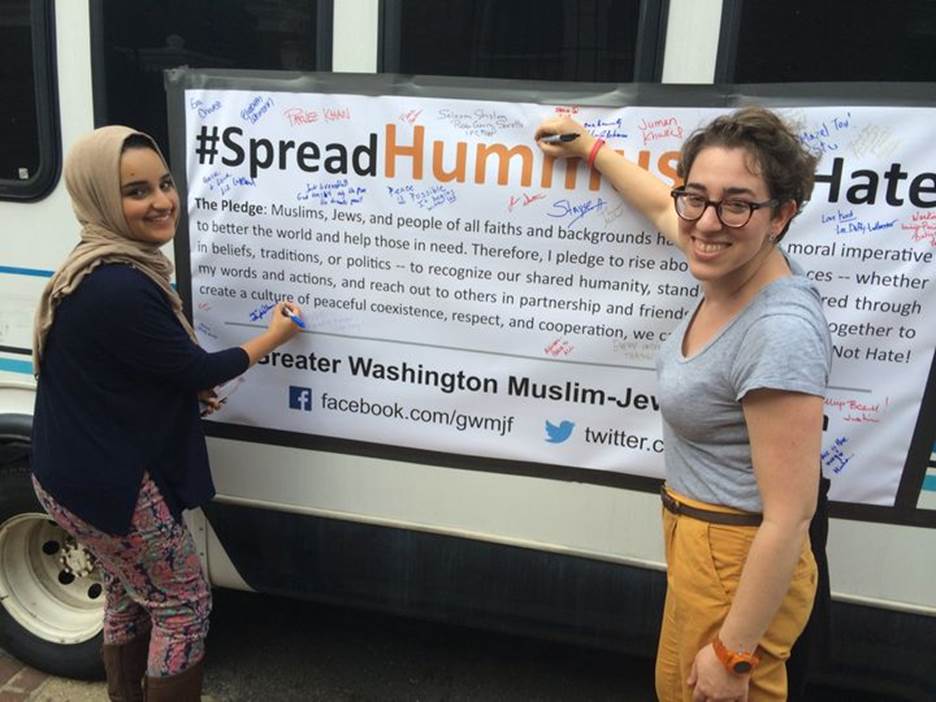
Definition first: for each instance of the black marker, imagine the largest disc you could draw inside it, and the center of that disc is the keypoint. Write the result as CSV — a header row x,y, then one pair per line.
x,y
556,138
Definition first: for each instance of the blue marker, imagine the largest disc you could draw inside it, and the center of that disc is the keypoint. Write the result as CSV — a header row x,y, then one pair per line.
x,y
297,320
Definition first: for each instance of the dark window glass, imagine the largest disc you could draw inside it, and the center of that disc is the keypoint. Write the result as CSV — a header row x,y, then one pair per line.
x,y
583,40
138,39
835,40
19,145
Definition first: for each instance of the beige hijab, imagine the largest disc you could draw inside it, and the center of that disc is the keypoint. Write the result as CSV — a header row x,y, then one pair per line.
x,y
92,176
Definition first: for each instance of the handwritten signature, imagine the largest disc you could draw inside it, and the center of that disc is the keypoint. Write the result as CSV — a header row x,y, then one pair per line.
x,y
834,457
204,109
256,108
297,116
523,200
564,208
261,311
864,227
559,347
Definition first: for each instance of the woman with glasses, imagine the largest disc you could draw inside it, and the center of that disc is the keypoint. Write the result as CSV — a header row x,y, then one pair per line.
x,y
742,384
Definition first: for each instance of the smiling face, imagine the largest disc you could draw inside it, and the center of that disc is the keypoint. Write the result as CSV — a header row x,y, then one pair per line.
x,y
721,255
148,194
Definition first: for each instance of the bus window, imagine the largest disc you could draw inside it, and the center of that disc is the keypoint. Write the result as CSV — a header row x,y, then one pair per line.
x,y
29,150
134,42
840,40
585,40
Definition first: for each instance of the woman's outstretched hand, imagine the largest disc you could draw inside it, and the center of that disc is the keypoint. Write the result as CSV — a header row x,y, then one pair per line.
x,y
579,147
281,324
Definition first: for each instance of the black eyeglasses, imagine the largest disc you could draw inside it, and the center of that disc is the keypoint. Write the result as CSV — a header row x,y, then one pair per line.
x,y
731,213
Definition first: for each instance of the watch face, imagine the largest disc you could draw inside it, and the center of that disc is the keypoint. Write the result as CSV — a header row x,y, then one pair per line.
x,y
742,667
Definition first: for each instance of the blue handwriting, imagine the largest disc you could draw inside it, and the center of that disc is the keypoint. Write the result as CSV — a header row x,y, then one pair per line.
x,y
427,199
256,109
203,109
823,138
259,313
839,216
223,182
564,208
206,330
834,457
852,227
339,192
607,129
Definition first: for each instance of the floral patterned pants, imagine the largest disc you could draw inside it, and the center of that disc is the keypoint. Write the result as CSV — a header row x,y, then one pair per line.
x,y
153,580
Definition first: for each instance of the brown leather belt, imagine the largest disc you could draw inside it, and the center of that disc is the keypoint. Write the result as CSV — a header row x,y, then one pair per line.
x,y
705,515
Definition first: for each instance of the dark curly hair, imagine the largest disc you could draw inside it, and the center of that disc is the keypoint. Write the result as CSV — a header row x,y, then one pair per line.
x,y
778,156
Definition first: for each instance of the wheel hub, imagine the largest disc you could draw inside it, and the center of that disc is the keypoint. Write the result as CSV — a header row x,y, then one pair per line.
x,y
49,584
75,559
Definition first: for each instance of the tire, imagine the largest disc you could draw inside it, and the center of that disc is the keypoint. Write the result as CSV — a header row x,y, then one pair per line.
x,y
50,617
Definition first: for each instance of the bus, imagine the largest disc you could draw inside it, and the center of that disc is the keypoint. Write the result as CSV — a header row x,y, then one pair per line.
x,y
510,544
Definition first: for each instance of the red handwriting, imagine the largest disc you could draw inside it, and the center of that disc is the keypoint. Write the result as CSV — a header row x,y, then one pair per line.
x,y
857,412
204,305
923,227
656,129
559,347
524,200
297,116
852,405
567,110
410,116
336,114
861,419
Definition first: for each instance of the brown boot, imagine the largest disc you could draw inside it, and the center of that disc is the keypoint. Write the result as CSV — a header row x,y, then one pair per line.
x,y
181,687
126,665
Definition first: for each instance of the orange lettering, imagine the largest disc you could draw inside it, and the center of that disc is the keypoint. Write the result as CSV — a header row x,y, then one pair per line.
x,y
458,173
504,155
415,151
667,165
643,160
546,175
571,170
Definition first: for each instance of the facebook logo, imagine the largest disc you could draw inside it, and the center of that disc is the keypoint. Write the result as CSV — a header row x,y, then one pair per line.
x,y
300,398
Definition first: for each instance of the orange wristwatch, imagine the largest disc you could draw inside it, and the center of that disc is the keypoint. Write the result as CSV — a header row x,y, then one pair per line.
x,y
739,663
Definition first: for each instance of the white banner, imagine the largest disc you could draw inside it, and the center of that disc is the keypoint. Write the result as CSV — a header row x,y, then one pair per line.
x,y
464,294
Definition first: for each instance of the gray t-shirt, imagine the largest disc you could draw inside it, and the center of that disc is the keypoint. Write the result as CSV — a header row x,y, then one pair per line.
x,y
779,341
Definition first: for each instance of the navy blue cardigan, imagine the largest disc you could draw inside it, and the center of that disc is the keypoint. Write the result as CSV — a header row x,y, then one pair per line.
x,y
117,396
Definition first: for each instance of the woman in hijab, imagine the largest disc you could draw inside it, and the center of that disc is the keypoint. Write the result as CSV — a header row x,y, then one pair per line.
x,y
118,448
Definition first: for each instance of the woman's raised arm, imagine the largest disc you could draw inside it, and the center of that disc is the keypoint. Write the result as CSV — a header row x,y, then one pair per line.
x,y
640,189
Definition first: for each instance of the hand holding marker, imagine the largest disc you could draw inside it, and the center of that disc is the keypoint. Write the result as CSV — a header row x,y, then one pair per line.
x,y
557,138
289,312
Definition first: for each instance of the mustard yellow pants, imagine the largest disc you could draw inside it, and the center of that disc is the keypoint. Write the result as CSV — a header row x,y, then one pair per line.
x,y
704,563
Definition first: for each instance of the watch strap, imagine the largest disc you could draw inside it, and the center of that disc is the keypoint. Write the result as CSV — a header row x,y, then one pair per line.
x,y
734,661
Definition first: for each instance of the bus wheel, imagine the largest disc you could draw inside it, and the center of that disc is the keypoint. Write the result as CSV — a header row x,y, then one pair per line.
x,y
51,590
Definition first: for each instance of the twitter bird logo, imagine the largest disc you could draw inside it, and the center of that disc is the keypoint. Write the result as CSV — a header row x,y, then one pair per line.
x,y
558,434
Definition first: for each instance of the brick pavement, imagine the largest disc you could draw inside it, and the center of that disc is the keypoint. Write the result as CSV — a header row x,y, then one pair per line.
x,y
20,683
17,681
